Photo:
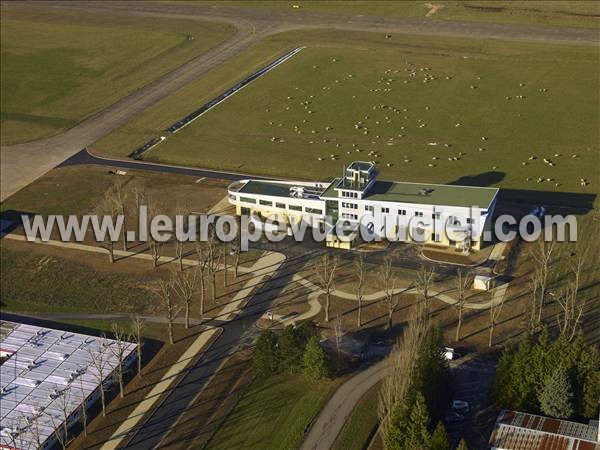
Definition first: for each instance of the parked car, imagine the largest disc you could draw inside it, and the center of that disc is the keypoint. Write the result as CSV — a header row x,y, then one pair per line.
x,y
453,417
538,211
460,406
451,354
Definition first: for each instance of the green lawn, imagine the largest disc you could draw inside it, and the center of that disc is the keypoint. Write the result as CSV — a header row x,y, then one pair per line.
x,y
37,284
361,424
555,13
310,108
273,414
62,191
60,66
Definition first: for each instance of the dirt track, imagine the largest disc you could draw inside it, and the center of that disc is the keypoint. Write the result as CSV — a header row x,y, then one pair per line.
x,y
23,163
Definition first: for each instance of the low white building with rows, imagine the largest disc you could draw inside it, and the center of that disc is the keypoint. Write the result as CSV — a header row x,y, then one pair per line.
x,y
47,378
438,214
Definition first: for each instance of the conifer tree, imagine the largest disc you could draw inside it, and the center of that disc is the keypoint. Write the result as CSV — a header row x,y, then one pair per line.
x,y
264,355
462,445
556,400
417,434
315,360
439,438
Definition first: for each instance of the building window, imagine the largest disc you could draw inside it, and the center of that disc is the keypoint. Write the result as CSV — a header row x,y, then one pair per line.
x,y
369,208
280,205
385,210
350,216
470,221
266,202
313,210
436,215
418,214
247,200
349,205
295,208
402,212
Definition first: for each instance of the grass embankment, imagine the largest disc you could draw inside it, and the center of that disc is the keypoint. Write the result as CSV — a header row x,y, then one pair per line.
x,y
42,284
426,109
61,66
273,414
360,426
555,13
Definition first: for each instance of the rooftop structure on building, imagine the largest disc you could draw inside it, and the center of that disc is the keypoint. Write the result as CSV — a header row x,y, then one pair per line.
x,y
47,374
522,431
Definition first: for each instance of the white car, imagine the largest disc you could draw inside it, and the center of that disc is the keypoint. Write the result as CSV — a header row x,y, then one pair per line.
x,y
460,405
450,354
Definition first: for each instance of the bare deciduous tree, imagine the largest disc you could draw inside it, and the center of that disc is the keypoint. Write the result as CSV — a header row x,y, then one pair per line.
x,y
120,196
324,270
186,284
401,365
359,284
572,307
99,365
213,262
138,327
84,417
388,285
61,425
179,247
235,250
202,268
463,280
495,310
166,290
108,208
338,330
155,246
425,279
533,301
542,258
225,267
118,350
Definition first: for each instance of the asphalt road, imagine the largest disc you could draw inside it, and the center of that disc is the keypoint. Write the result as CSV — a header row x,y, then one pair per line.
x,y
333,416
84,157
24,163
159,430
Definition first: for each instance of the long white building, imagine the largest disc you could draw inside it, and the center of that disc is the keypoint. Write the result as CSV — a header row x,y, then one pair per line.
x,y
429,213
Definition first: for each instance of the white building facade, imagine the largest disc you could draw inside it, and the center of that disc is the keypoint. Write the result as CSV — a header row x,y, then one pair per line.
x,y
442,215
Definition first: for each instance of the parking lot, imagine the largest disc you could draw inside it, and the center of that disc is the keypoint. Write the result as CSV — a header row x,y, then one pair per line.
x,y
473,377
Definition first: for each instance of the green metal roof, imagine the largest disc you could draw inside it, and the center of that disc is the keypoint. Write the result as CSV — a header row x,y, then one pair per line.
x,y
425,194
389,191
266,188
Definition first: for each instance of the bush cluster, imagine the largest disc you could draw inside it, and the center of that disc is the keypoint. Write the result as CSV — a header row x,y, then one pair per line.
x,y
296,349
557,378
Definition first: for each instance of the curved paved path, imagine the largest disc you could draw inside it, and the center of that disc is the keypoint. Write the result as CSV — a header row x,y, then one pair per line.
x,y
24,163
333,416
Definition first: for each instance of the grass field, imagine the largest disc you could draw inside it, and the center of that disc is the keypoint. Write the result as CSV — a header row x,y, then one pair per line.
x,y
37,284
555,13
361,424
60,66
489,106
273,414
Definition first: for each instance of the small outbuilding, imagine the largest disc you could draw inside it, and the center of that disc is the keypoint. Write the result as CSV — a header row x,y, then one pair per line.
x,y
484,282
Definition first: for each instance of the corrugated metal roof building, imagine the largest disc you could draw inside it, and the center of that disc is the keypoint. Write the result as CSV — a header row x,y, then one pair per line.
x,y
47,375
521,431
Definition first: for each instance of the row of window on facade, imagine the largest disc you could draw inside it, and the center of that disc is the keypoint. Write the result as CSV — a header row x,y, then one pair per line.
x,y
368,208
281,205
